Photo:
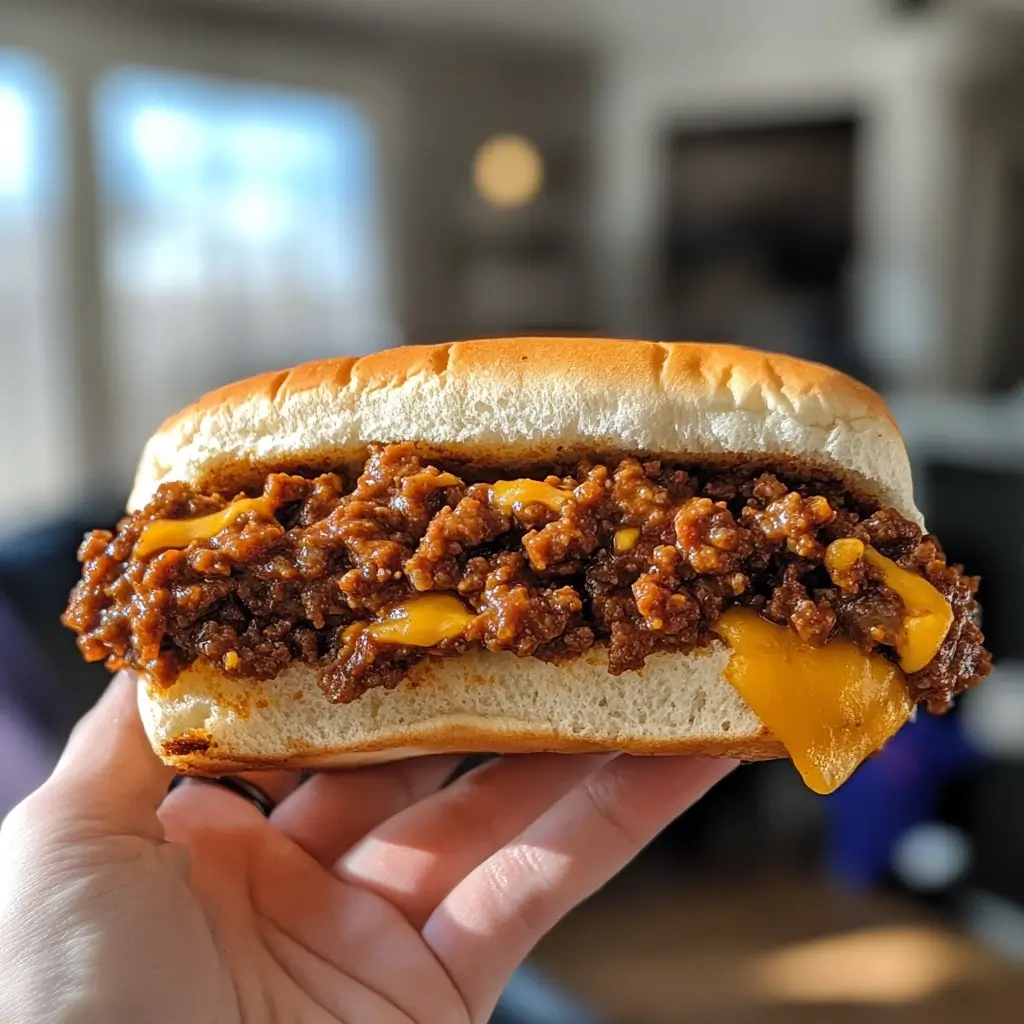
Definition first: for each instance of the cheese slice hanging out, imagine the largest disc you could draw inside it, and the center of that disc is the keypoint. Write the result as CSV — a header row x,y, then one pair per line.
x,y
831,706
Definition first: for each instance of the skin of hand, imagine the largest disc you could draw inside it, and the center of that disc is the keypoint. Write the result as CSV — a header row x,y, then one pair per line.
x,y
376,895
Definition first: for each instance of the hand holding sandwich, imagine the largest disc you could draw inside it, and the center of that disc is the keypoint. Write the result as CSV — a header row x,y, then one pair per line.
x,y
530,544
374,895
583,546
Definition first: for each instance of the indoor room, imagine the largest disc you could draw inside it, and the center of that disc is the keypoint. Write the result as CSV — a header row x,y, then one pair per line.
x,y
196,192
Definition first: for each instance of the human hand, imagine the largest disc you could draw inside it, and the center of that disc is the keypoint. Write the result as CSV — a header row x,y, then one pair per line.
x,y
367,896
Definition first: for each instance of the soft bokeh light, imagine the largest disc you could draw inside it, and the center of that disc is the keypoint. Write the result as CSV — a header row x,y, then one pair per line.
x,y
15,143
508,171
167,141
878,966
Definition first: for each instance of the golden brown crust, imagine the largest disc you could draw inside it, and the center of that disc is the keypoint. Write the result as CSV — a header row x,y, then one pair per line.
x,y
696,368
527,403
198,754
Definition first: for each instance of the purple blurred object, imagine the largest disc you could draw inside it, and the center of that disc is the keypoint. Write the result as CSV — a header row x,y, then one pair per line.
x,y
891,793
28,747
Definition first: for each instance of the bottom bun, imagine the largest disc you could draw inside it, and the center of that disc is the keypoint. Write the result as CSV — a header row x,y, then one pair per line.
x,y
477,702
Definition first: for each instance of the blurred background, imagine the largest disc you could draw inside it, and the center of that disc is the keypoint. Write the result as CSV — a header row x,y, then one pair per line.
x,y
193,192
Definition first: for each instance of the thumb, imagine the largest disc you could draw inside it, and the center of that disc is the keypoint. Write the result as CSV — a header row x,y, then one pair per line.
x,y
108,776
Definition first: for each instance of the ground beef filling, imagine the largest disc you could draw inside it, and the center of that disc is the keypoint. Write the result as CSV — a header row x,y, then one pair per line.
x,y
641,557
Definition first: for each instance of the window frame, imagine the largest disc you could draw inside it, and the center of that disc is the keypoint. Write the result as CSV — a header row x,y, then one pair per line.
x,y
81,45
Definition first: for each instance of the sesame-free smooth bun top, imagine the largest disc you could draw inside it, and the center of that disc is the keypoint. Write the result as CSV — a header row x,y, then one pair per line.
x,y
516,401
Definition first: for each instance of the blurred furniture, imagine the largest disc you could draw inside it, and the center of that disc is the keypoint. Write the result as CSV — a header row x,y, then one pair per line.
x,y
759,233
968,457
893,795
722,948
31,718
38,568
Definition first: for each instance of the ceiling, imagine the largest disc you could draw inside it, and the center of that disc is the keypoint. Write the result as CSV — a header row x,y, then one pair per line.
x,y
613,22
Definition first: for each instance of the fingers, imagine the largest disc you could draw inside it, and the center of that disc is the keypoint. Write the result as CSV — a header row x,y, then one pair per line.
x,y
108,774
417,857
277,785
198,803
332,811
492,919
358,958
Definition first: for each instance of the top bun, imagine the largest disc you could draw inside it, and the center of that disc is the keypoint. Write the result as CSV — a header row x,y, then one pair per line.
x,y
519,401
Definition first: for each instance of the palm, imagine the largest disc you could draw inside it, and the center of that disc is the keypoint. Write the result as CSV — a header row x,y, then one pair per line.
x,y
369,896
319,949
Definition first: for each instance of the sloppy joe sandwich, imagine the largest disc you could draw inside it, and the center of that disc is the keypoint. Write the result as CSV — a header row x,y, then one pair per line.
x,y
524,545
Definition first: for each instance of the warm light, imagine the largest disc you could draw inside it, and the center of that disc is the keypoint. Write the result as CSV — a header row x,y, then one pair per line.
x,y
880,966
508,171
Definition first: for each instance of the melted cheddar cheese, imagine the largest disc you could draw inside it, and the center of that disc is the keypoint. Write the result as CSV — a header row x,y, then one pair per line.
x,y
446,480
625,539
843,554
423,621
830,706
928,614
507,494
162,534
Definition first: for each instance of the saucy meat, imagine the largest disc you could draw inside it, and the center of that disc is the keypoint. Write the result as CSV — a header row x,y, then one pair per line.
x,y
639,556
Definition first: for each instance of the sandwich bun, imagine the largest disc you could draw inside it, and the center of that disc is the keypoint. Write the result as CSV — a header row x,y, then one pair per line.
x,y
511,404
476,702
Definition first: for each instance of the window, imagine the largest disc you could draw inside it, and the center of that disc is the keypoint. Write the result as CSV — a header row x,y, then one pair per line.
x,y
242,233
34,397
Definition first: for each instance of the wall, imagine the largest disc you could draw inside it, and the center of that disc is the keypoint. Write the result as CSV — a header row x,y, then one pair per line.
x,y
459,96
990,254
904,78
